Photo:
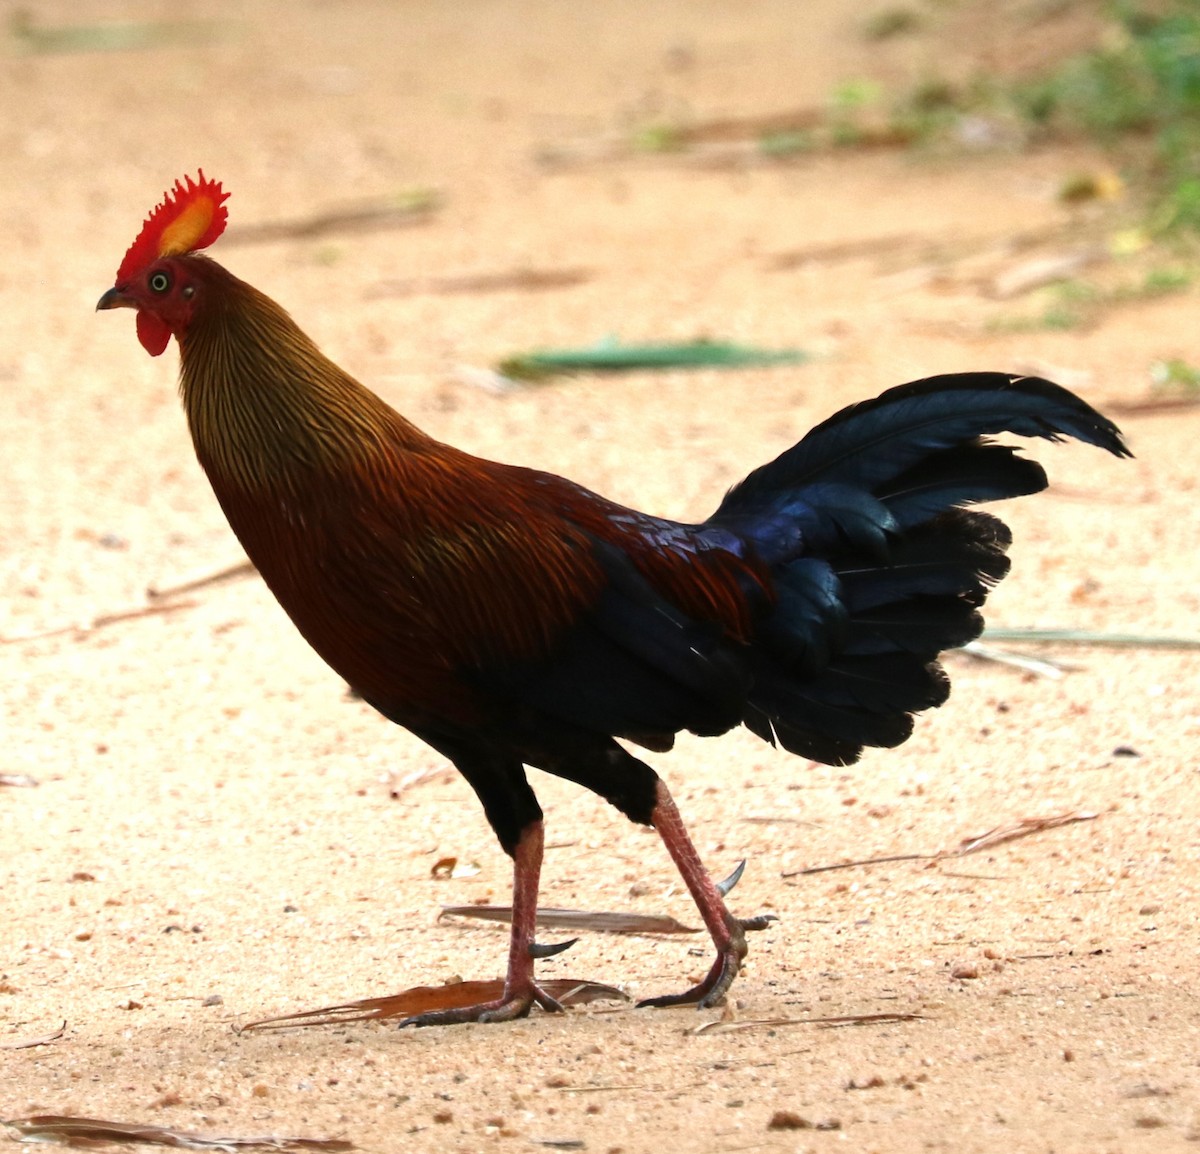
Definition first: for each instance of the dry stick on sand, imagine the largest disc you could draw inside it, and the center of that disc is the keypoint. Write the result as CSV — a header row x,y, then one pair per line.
x,y
160,598
993,837
735,1027
1035,665
502,280
84,628
412,207
200,581
30,1043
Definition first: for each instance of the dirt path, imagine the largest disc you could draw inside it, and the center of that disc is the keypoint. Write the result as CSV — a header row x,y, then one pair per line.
x,y
212,838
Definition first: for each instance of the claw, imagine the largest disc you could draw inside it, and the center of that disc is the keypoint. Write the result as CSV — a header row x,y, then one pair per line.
x,y
759,922
540,950
505,1009
709,992
726,884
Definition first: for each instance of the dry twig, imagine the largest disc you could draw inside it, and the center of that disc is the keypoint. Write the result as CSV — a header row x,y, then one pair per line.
x,y
1087,637
1037,665
30,1043
413,207
84,628
1023,828
200,581
968,845
505,280
837,1023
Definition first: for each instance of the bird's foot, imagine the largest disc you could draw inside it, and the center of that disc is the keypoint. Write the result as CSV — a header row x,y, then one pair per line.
x,y
730,955
512,1005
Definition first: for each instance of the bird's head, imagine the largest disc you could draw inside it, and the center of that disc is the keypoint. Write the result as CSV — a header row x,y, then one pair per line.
x,y
157,276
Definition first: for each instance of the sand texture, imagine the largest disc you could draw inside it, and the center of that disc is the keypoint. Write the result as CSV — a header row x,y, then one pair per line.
x,y
217,834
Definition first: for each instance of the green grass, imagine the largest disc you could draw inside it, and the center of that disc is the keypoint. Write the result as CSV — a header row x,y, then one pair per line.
x,y
1140,86
1076,304
1176,378
1137,93
1144,82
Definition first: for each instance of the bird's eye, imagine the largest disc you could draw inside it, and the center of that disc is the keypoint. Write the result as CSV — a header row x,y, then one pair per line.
x,y
160,282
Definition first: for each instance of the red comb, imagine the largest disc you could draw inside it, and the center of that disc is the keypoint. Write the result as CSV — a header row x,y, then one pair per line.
x,y
191,216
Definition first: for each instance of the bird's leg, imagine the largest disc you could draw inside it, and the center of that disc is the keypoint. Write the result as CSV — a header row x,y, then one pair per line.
x,y
728,933
520,989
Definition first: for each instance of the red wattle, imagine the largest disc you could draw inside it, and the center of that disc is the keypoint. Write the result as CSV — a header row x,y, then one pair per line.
x,y
153,333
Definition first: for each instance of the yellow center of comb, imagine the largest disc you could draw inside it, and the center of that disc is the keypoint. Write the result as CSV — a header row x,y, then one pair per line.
x,y
182,233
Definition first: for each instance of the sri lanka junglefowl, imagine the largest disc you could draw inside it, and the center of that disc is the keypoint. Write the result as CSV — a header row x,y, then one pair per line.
x,y
510,618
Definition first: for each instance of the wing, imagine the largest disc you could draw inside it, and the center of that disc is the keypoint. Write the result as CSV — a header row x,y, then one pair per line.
x,y
658,645
458,595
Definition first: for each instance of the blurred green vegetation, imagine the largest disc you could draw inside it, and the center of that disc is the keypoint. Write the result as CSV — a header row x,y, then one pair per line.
x,y
1144,82
1079,304
1176,379
1137,93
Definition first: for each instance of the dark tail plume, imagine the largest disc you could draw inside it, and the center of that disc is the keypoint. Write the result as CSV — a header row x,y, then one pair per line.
x,y
878,565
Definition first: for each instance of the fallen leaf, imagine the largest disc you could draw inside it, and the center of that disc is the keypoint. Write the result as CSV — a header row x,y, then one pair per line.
x,y
73,1131
422,999
610,356
451,867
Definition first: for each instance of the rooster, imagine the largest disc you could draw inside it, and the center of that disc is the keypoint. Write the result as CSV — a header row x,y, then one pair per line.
x,y
510,618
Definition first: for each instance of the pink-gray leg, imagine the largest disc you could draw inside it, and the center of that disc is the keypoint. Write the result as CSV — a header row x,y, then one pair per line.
x,y
520,989
728,933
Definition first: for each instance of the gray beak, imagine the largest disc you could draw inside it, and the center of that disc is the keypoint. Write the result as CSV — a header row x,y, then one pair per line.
x,y
115,299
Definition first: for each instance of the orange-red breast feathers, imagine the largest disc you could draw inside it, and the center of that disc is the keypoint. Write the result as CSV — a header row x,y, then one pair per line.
x,y
191,216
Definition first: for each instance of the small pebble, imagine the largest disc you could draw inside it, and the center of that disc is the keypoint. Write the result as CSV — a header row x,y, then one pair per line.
x,y
871,1083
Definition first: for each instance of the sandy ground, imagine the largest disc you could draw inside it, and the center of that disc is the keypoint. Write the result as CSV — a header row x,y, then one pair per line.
x,y
213,838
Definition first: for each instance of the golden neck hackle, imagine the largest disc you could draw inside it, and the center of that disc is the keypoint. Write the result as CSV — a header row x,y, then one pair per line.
x,y
268,411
